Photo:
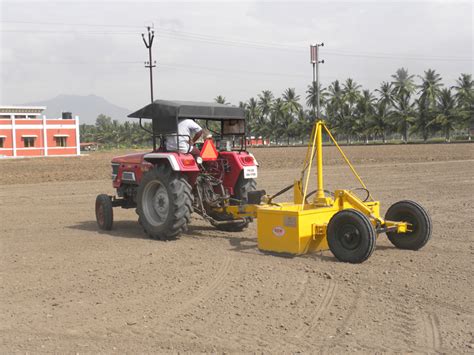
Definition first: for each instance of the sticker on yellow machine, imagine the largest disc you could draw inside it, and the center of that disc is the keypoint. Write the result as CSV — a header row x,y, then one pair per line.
x,y
279,231
250,172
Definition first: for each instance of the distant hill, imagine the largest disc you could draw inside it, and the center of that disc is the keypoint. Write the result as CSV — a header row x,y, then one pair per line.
x,y
86,107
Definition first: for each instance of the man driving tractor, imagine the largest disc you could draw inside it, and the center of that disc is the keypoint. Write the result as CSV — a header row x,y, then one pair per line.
x,y
188,133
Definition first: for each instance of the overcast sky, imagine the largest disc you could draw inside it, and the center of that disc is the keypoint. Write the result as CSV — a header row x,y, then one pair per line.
x,y
235,49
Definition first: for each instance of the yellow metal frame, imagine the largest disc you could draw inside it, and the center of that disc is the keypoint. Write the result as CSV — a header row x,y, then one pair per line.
x,y
300,226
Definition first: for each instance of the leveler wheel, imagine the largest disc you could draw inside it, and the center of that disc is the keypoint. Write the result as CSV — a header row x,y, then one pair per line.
x,y
104,212
351,236
419,230
164,203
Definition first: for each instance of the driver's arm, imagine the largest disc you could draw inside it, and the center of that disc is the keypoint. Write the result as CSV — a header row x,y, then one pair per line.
x,y
197,136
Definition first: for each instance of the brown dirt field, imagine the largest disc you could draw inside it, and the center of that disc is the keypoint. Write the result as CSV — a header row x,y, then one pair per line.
x,y
66,287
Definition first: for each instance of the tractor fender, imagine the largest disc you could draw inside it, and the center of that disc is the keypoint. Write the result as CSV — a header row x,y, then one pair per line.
x,y
177,162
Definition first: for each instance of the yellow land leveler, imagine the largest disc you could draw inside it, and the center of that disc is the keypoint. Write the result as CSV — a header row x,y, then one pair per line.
x,y
341,221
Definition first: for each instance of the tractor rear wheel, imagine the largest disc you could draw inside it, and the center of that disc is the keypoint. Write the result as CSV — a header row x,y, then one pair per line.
x,y
351,236
164,203
419,229
243,187
104,212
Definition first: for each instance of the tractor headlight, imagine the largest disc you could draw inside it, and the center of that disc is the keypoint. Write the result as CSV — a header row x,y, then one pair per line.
x,y
199,160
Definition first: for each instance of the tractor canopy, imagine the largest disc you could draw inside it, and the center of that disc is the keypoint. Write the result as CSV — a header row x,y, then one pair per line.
x,y
165,115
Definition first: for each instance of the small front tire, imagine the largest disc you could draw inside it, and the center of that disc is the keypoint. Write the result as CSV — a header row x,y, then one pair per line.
x,y
351,236
104,212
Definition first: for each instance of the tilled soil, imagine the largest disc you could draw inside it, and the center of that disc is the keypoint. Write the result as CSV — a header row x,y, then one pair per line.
x,y
66,287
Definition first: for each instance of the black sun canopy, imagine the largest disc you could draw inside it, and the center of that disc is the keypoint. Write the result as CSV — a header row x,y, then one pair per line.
x,y
165,114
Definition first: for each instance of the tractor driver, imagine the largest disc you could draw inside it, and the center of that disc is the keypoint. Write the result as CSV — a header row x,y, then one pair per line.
x,y
188,133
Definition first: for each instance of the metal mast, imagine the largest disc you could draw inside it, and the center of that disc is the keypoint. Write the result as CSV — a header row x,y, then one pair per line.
x,y
314,50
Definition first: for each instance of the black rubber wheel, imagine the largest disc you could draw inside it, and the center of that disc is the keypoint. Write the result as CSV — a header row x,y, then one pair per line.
x,y
351,236
243,186
421,227
104,212
164,203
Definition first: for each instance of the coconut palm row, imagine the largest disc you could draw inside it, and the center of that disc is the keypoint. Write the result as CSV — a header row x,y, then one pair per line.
x,y
399,108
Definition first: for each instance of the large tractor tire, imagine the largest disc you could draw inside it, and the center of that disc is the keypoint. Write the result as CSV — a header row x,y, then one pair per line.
x,y
351,236
243,186
164,203
413,213
104,212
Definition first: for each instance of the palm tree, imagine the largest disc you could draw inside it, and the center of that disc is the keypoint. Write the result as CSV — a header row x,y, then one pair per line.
x,y
291,100
254,115
385,93
403,87
403,82
364,112
291,107
312,97
334,106
265,101
220,100
379,123
278,112
448,115
429,91
465,100
351,94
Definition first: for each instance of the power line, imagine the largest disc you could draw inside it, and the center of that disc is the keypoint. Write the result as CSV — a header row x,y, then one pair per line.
x,y
211,39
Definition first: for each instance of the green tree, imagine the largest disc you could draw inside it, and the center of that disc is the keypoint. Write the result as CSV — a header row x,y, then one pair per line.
x,y
221,100
426,103
403,88
448,116
465,100
365,110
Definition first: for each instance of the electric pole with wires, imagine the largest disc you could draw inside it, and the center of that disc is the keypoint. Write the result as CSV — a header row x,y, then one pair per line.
x,y
150,63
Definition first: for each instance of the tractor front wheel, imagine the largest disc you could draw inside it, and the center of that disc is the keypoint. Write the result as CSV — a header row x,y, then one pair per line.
x,y
351,236
104,212
164,203
419,228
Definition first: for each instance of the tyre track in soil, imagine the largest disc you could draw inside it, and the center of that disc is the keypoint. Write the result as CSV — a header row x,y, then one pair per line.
x,y
204,293
432,335
297,338
245,337
281,341
323,306
341,330
180,308
426,339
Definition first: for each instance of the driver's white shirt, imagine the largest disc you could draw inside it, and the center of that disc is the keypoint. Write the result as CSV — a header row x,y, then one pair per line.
x,y
187,128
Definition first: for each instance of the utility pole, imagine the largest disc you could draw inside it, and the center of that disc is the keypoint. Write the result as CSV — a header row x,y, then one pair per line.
x,y
314,50
150,63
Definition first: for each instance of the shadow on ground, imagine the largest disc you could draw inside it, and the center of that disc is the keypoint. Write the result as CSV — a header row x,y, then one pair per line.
x,y
237,242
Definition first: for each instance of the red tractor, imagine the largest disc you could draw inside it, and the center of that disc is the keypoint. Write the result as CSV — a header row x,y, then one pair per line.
x,y
166,187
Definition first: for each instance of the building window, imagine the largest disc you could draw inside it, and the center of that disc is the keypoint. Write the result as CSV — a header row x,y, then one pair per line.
x,y
29,142
2,142
61,141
